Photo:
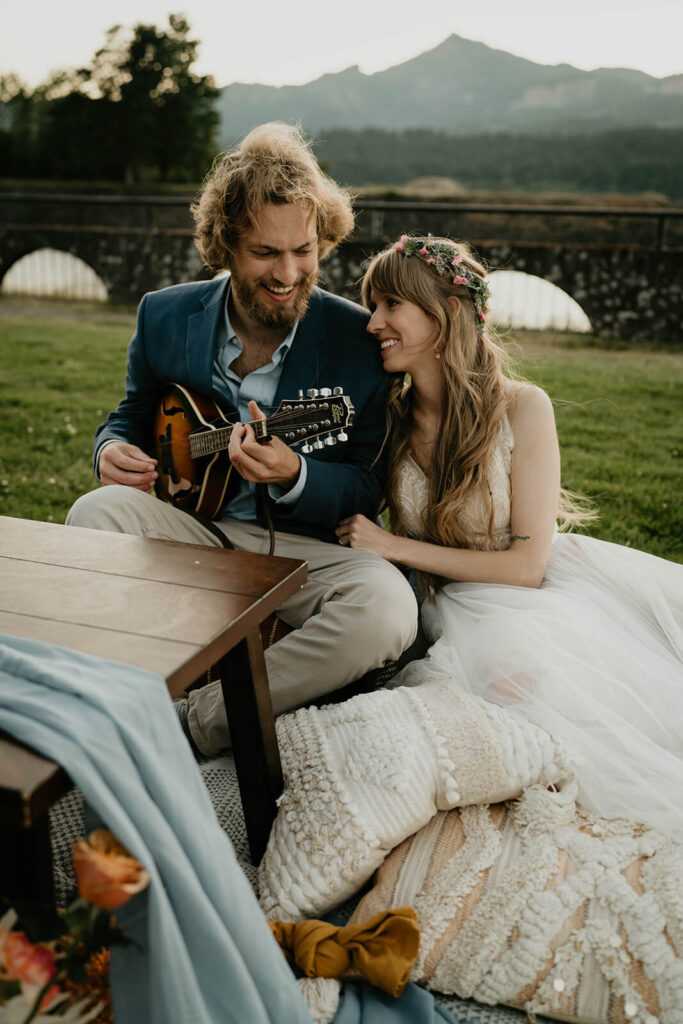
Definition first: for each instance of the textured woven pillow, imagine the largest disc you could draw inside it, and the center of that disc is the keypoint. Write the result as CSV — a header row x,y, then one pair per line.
x,y
362,776
582,921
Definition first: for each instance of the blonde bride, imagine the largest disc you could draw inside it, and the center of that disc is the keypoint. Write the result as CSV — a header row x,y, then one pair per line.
x,y
583,636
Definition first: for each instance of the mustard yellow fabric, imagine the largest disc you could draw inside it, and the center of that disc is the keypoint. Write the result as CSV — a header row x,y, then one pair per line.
x,y
383,948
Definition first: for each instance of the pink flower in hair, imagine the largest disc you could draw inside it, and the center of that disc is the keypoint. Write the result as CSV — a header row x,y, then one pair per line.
x,y
404,238
424,252
431,261
459,280
457,260
399,247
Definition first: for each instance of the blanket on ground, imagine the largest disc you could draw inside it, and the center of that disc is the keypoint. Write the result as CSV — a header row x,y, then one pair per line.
x,y
208,954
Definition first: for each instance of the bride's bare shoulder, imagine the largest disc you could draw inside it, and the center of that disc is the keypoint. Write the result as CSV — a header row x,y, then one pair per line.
x,y
527,404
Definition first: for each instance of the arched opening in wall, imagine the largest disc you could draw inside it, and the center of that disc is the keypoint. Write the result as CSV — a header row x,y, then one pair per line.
x,y
54,274
530,303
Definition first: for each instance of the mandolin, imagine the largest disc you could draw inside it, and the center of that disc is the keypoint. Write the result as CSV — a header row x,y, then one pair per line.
x,y
192,434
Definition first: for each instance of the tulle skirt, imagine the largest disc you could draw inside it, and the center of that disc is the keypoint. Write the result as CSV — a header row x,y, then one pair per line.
x,y
595,656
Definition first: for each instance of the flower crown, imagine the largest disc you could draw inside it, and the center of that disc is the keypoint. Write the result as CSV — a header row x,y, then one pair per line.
x,y
440,256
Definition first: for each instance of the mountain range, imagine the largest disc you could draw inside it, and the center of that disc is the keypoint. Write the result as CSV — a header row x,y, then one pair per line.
x,y
462,87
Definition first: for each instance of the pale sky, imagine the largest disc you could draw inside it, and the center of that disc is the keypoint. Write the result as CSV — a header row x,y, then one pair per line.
x,y
295,41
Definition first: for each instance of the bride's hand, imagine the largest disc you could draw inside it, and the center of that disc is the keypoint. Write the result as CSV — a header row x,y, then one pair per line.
x,y
359,532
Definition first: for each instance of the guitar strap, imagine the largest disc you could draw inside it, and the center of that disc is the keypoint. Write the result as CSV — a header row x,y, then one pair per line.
x,y
225,541
261,492
212,528
272,623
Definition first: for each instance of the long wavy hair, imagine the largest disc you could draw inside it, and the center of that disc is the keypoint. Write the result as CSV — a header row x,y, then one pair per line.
x,y
476,370
273,164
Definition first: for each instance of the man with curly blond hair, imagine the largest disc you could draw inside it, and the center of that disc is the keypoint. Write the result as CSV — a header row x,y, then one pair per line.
x,y
267,214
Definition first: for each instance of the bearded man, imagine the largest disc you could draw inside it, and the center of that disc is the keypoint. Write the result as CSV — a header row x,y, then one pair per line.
x,y
248,339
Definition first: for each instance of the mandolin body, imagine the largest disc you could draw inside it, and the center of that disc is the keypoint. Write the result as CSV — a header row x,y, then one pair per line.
x,y
196,483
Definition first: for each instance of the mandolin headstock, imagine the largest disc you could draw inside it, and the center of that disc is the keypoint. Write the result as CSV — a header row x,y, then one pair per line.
x,y
321,417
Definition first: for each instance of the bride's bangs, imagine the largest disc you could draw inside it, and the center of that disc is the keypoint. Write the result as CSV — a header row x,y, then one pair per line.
x,y
390,273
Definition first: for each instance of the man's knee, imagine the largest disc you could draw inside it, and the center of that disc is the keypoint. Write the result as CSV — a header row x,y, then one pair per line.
x,y
390,613
115,507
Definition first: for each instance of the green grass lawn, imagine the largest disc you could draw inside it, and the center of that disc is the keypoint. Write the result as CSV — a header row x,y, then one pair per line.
x,y
619,415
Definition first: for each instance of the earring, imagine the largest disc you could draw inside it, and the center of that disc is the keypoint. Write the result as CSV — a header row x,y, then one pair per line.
x,y
437,355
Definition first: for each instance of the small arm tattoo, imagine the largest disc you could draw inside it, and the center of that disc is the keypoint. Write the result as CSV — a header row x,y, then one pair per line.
x,y
519,538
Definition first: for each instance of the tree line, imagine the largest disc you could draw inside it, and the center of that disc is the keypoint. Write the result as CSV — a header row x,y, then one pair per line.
x,y
627,161
138,113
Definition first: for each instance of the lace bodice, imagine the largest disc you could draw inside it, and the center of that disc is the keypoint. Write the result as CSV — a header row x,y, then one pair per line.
x,y
413,495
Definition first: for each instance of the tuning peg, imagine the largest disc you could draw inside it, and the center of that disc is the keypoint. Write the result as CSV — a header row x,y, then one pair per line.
x,y
301,393
342,436
330,440
339,391
318,444
312,393
306,449
325,392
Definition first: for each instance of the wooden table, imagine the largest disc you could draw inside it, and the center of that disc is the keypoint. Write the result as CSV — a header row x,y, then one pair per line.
x,y
173,609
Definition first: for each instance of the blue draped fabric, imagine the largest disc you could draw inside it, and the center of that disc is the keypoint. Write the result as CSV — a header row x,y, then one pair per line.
x,y
208,955
363,1003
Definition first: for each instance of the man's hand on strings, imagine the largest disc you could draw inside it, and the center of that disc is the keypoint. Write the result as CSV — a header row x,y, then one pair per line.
x,y
271,463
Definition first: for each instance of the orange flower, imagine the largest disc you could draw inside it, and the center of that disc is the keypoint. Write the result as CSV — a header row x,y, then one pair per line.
x,y
107,875
94,987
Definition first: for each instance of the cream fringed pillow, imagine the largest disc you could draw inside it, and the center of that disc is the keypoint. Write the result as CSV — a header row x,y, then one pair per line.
x,y
580,922
363,775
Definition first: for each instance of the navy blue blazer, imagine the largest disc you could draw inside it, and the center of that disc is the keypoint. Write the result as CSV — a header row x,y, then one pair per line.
x,y
175,341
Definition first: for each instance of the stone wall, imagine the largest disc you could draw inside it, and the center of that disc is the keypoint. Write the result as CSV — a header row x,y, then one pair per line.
x,y
135,245
626,293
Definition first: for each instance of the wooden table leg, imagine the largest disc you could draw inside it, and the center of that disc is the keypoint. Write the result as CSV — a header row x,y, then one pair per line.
x,y
254,741
30,784
26,859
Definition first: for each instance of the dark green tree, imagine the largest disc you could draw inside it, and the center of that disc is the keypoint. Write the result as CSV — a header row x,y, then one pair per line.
x,y
18,127
137,113
74,137
78,140
164,116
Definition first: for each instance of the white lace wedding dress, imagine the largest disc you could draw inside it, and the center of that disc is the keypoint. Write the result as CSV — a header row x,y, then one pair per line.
x,y
595,655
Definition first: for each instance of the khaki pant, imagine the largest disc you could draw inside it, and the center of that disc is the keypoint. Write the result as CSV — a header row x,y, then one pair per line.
x,y
355,612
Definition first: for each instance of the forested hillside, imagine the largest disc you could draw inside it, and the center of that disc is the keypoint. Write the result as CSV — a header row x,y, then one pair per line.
x,y
639,160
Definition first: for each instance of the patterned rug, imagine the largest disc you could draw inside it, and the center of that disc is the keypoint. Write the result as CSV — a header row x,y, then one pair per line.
x,y
66,825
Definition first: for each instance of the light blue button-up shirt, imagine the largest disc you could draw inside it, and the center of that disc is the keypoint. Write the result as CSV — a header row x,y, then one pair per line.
x,y
259,386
